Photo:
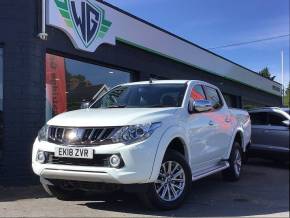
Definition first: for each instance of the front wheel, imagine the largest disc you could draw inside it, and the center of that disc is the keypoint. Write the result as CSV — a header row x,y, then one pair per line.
x,y
172,185
233,173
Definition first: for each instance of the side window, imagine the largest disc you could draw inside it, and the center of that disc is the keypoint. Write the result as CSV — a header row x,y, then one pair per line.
x,y
213,96
197,93
259,118
276,119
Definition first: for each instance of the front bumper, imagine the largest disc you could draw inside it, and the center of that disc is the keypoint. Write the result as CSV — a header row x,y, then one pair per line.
x,y
105,176
138,161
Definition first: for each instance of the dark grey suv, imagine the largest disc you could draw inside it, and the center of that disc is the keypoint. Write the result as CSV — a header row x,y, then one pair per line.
x,y
270,133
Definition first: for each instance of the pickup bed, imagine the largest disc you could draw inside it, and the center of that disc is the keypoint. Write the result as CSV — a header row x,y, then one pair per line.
x,y
152,137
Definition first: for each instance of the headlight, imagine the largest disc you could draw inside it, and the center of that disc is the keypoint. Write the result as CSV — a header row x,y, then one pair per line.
x,y
129,134
43,133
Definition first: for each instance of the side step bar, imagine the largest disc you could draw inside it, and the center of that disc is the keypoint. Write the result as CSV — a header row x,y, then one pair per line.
x,y
210,171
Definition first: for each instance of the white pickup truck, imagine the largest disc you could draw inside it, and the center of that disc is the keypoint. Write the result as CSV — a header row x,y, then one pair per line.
x,y
152,137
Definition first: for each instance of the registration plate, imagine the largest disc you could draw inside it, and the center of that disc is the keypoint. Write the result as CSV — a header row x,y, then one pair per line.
x,y
84,153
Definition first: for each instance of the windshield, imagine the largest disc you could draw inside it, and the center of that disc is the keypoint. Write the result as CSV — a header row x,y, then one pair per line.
x,y
143,96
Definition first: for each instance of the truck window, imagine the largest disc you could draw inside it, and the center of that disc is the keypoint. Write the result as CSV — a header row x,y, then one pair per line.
x,y
143,96
213,96
259,118
197,93
276,119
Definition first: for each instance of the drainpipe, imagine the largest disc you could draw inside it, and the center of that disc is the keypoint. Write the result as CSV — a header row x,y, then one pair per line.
x,y
43,35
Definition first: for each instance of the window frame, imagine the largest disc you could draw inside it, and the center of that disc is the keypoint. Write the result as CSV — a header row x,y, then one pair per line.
x,y
133,74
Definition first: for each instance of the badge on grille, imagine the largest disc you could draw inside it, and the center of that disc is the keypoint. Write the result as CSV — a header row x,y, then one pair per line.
x,y
73,135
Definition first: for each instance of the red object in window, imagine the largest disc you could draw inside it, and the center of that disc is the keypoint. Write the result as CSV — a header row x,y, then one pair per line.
x,y
196,95
56,83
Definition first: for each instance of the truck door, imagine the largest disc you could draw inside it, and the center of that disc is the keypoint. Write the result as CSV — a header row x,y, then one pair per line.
x,y
278,132
199,129
269,133
218,138
259,126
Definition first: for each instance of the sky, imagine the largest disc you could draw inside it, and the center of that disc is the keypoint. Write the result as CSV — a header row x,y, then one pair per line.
x,y
214,23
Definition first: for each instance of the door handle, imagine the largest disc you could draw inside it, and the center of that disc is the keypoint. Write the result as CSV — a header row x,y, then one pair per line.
x,y
211,123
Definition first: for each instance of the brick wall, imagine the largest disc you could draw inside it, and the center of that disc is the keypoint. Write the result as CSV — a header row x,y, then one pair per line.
x,y
23,88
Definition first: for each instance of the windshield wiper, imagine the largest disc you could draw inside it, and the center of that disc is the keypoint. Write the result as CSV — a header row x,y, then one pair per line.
x,y
117,106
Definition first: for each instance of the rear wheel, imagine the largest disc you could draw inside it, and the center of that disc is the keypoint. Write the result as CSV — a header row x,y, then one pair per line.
x,y
172,185
233,173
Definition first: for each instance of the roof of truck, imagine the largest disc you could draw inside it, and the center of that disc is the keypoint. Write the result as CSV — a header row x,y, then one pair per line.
x,y
170,82
167,82
159,82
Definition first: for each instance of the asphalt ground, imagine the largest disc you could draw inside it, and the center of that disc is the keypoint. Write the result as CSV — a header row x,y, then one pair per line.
x,y
263,191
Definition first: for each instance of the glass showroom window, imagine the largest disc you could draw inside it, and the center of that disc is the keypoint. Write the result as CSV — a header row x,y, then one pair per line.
x,y
69,82
231,100
249,104
1,103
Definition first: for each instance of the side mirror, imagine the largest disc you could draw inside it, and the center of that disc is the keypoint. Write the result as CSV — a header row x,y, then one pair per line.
x,y
200,106
85,105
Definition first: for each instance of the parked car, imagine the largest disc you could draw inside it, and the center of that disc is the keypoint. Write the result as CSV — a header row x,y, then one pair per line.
x,y
270,133
153,138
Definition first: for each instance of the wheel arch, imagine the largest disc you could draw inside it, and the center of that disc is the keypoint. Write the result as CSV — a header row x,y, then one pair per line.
x,y
178,144
174,138
237,137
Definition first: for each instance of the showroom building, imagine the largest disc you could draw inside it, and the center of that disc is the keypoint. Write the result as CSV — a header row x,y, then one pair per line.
x,y
86,48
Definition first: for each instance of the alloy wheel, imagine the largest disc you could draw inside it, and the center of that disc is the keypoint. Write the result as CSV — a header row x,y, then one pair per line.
x,y
171,181
238,162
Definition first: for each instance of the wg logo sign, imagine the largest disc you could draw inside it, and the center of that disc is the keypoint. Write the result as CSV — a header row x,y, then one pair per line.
x,y
87,21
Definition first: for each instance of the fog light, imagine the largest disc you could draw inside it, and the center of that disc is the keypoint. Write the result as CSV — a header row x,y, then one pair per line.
x,y
115,161
40,157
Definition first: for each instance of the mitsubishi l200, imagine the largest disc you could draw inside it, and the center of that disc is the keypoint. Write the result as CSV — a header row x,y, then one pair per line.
x,y
158,136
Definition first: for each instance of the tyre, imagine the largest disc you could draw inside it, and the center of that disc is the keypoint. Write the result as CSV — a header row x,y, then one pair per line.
x,y
245,158
172,185
63,194
233,173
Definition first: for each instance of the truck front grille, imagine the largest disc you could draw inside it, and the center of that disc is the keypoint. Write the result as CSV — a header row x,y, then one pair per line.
x,y
80,136
99,160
